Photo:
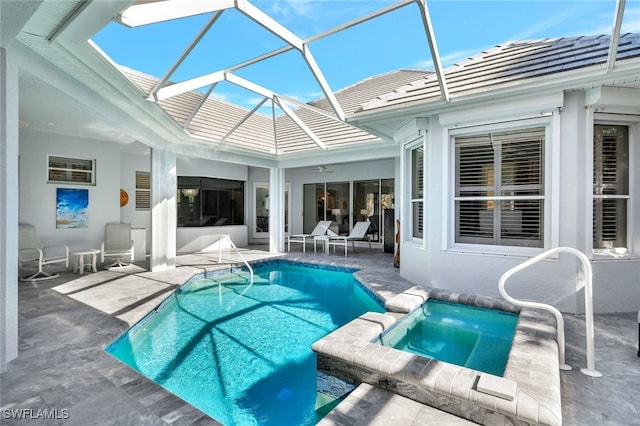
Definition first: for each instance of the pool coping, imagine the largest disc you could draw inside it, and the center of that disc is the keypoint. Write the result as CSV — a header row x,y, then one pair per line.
x,y
351,353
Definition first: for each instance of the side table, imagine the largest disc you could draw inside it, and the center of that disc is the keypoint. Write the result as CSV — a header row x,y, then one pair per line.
x,y
325,242
79,260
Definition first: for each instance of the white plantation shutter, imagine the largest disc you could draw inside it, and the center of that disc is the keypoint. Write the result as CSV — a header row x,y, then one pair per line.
x,y
417,191
610,186
499,196
143,190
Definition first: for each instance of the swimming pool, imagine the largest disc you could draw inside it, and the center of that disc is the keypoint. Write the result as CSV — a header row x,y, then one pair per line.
x,y
469,336
241,353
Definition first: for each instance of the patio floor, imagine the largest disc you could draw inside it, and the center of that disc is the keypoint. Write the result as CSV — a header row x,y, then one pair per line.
x,y
65,324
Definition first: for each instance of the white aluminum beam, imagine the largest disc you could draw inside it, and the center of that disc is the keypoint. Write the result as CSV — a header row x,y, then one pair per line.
x,y
280,31
188,85
293,43
359,20
269,23
322,35
437,63
275,128
300,123
615,34
245,118
309,107
232,78
197,108
186,52
255,88
144,12
317,72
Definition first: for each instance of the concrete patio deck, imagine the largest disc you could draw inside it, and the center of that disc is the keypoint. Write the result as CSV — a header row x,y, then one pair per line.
x,y
66,323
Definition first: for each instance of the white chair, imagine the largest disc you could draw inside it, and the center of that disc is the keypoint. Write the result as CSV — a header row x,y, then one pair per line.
x,y
117,244
32,254
358,233
319,230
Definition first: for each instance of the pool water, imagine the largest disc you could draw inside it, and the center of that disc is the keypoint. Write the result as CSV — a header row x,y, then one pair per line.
x,y
477,338
242,353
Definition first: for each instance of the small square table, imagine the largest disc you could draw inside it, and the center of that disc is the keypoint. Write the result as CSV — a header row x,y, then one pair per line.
x,y
325,242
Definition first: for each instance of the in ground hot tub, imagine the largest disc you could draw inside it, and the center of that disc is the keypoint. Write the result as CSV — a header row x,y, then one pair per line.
x,y
468,336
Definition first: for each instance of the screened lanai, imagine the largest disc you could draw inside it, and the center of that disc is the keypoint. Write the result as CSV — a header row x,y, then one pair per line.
x,y
227,87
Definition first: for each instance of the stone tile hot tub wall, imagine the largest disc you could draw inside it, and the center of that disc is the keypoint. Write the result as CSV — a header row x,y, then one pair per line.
x,y
532,371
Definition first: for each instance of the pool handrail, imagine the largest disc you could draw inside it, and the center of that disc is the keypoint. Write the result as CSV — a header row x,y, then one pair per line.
x,y
228,239
588,296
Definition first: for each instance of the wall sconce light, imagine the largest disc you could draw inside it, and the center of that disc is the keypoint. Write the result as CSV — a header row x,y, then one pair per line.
x,y
190,192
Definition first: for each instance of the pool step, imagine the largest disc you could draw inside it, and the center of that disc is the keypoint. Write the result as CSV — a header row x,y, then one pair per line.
x,y
484,354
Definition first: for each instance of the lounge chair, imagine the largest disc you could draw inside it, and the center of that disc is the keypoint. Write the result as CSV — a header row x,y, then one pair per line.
x,y
318,231
117,244
32,254
358,233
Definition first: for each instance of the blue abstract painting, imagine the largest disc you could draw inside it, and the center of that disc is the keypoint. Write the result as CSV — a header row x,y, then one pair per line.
x,y
72,208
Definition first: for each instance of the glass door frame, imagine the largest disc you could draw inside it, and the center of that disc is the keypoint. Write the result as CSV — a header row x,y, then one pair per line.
x,y
254,209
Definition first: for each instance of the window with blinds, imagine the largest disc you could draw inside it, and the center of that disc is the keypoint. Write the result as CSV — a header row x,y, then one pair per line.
x,y
143,190
610,186
499,188
417,191
71,170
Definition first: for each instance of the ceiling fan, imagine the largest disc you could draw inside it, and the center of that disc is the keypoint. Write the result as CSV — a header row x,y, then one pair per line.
x,y
323,169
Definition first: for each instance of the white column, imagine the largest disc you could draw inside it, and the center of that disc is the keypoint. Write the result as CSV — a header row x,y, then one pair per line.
x,y
8,209
164,184
276,210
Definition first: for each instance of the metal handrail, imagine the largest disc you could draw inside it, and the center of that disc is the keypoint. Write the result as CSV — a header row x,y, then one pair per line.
x,y
588,297
228,238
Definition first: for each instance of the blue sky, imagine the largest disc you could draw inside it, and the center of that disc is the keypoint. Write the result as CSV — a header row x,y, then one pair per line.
x,y
392,41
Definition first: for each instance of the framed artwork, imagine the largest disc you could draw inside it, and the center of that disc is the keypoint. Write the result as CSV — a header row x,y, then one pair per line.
x,y
72,208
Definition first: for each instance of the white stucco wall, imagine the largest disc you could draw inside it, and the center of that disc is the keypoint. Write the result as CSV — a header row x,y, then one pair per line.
x,y
141,219
568,169
38,198
114,170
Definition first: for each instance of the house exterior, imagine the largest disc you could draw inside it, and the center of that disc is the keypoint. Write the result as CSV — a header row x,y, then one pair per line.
x,y
501,171
538,148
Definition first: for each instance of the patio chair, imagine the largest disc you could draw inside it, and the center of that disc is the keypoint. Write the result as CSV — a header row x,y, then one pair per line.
x,y
32,254
358,233
318,231
117,245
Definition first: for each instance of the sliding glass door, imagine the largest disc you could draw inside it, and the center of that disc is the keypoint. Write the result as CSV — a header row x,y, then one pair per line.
x,y
346,203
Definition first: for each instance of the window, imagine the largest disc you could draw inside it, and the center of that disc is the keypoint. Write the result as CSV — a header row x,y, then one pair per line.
x,y
210,202
610,186
143,190
499,188
417,191
71,170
